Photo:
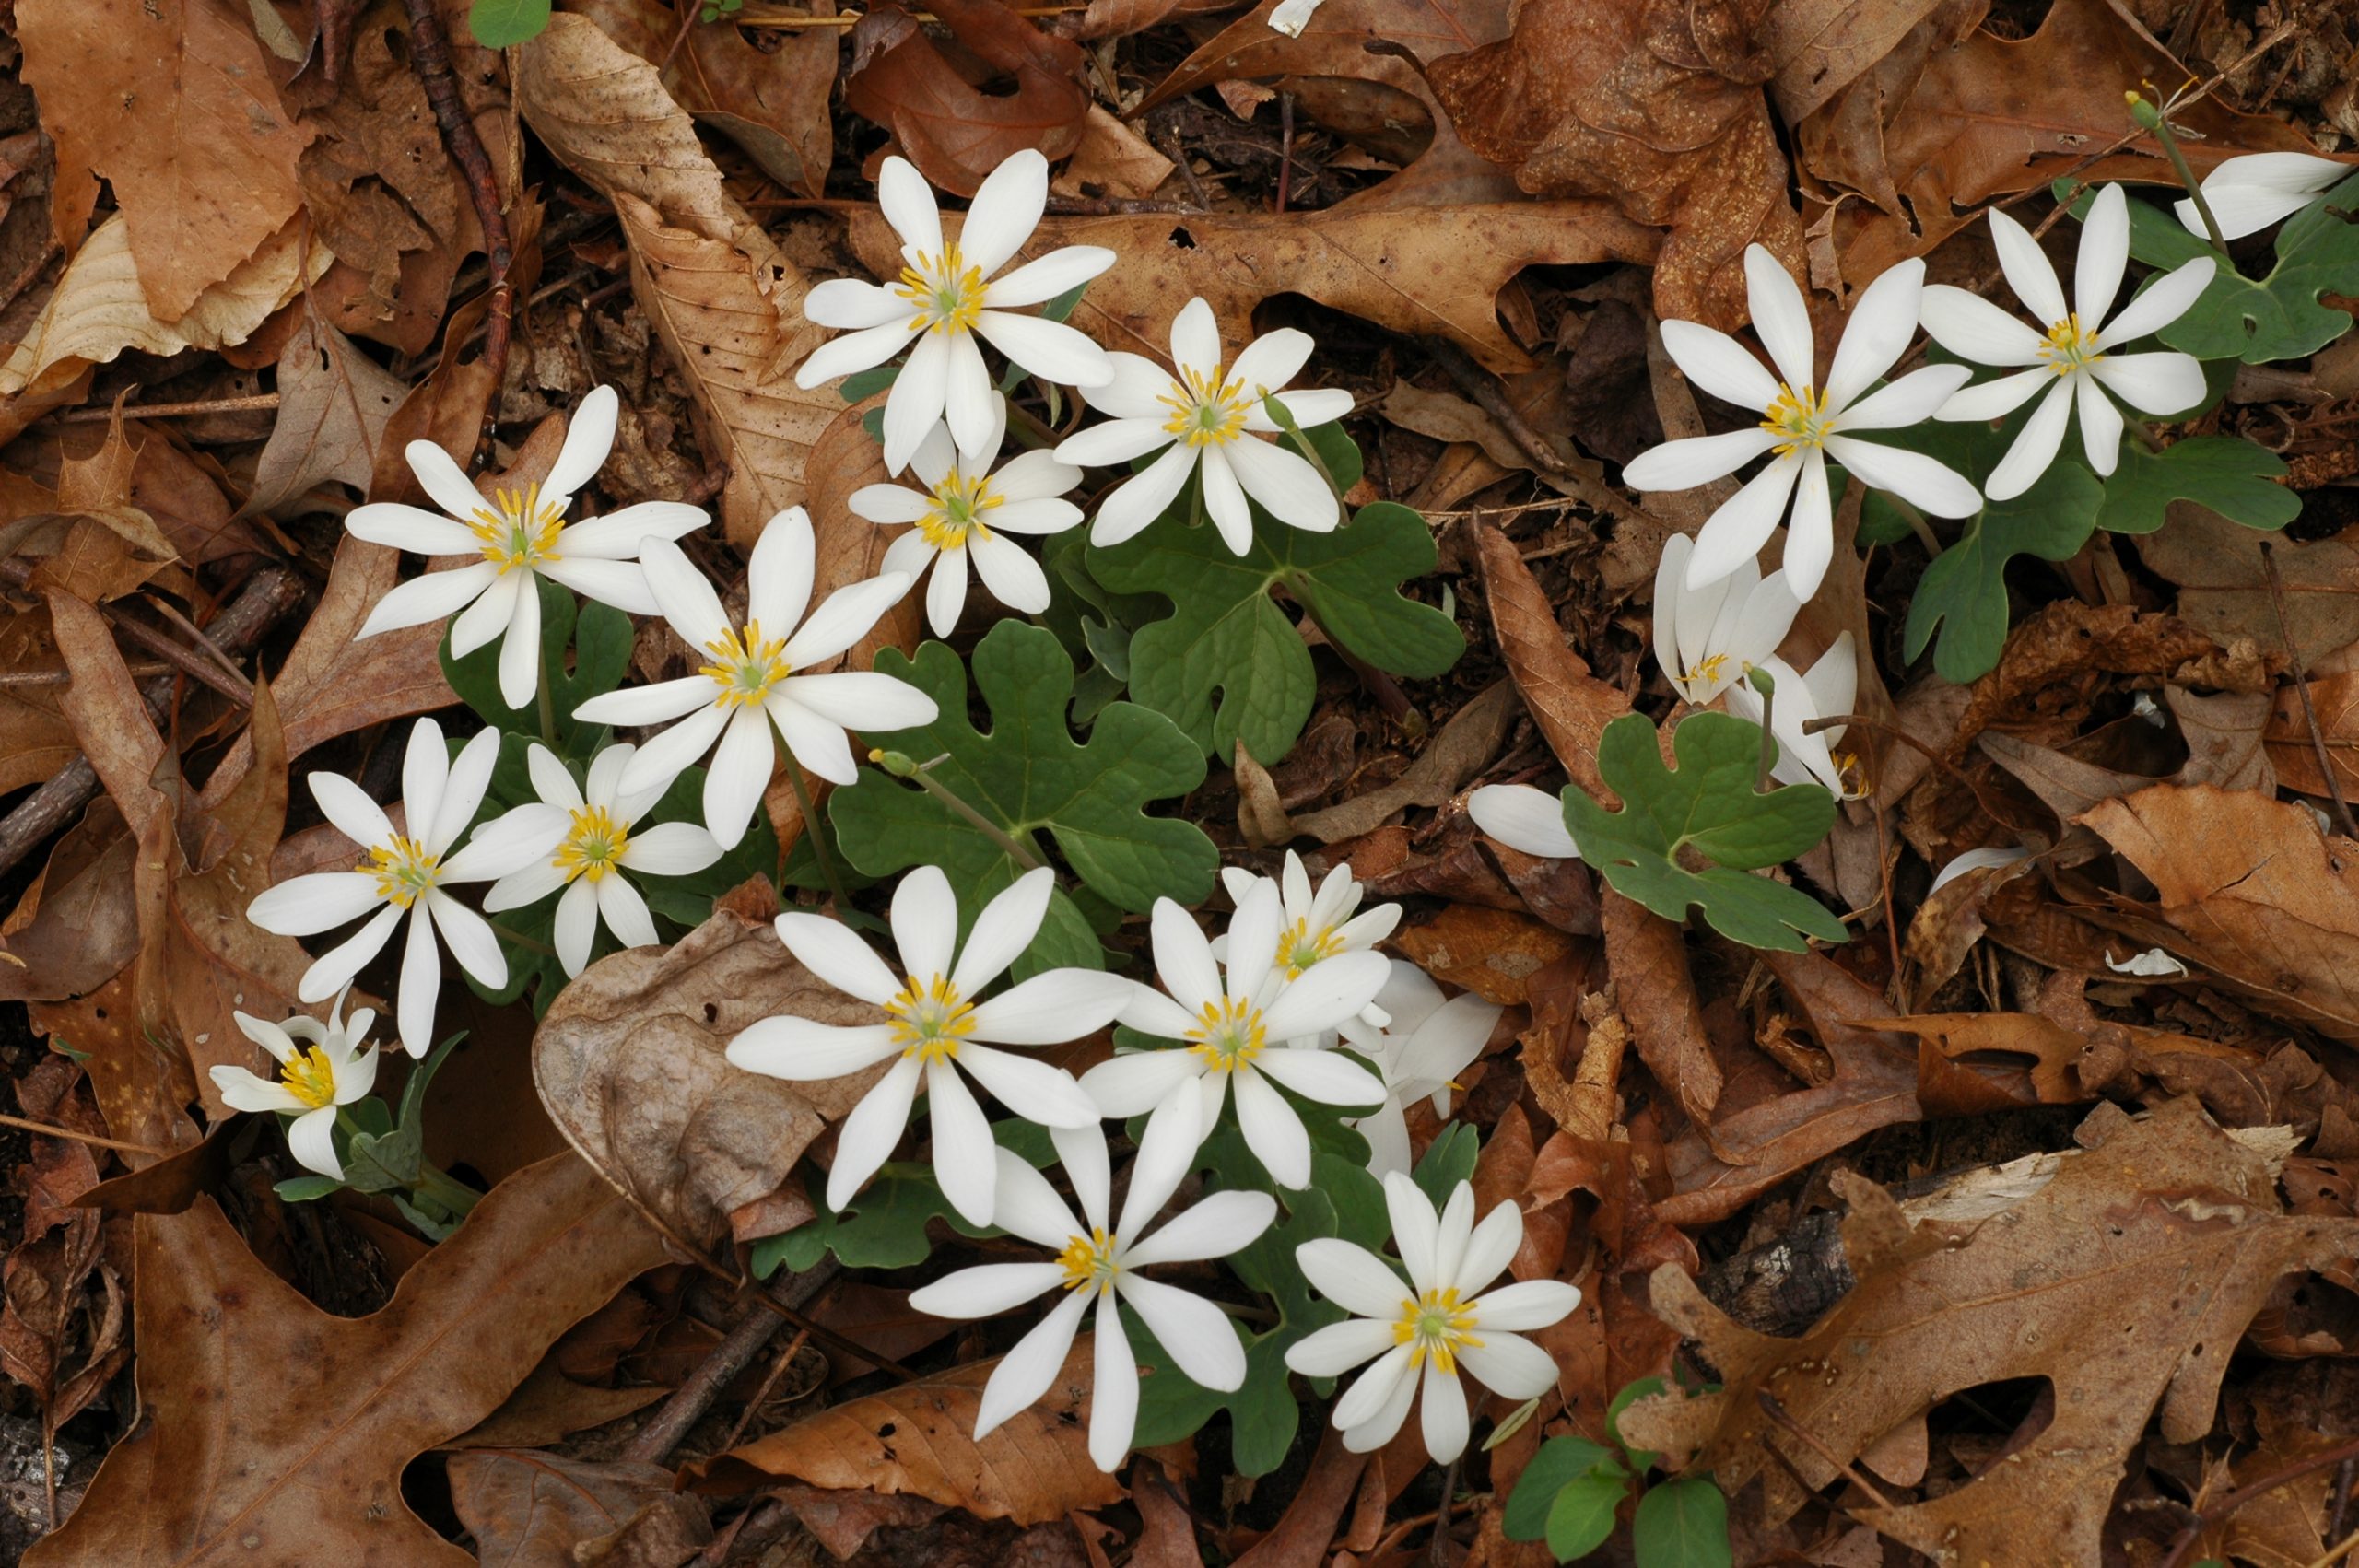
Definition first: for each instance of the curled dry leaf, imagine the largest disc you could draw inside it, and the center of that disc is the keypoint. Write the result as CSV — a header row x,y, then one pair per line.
x,y
289,1460
1571,707
1466,745
630,1067
527,1509
334,403
953,130
919,1438
2223,583
2084,1281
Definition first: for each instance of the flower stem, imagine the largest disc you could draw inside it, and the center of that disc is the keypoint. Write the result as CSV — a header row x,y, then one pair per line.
x,y
2145,434
2152,119
902,766
1915,521
544,700
1766,684
1285,420
446,1192
509,933
810,830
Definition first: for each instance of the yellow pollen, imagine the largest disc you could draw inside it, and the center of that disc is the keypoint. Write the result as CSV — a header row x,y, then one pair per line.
x,y
1300,947
957,515
1709,669
594,845
2067,347
1799,416
1436,1325
948,293
1230,1035
1212,411
745,665
1088,1262
522,532
1849,768
310,1077
403,870
929,1018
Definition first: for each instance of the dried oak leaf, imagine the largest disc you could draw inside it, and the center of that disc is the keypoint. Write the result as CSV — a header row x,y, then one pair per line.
x,y
1653,105
950,128
527,1509
333,404
275,1434
919,1438
630,1067
2126,1279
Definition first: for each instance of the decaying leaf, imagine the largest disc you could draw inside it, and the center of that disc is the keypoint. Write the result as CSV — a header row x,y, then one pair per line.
x,y
629,1066
2126,1279
276,1432
334,403
953,130
526,1508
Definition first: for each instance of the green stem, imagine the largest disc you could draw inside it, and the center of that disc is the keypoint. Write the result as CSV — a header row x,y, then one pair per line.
x,y
1768,687
446,1191
544,700
2153,119
1284,419
810,830
509,933
1916,520
2145,434
902,766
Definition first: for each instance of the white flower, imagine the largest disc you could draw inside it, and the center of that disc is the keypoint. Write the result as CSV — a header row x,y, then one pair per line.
x,y
1977,860
1705,639
1095,1262
1524,818
1317,926
965,513
1208,418
321,1066
598,846
1802,424
405,872
938,1027
1439,1322
944,302
521,536
1825,690
2074,358
1243,1031
2153,964
1429,1043
2248,193
751,683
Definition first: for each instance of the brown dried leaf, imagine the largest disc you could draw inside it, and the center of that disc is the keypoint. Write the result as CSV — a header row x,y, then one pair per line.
x,y
78,924
1490,952
1466,745
333,404
1646,957
919,1438
527,1509
36,742
1820,47
629,1065
2084,1283
953,130
1571,707
291,1461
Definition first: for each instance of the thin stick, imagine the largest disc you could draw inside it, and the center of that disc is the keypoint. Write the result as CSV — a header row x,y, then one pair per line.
x,y
737,1349
1787,1423
778,1369
258,401
1437,1544
2341,1549
2302,689
792,23
2244,1495
60,677
430,56
812,831
48,1130
195,635
2152,119
2342,1497
19,572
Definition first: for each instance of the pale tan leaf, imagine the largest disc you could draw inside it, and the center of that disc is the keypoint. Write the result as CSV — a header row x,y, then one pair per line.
x,y
334,403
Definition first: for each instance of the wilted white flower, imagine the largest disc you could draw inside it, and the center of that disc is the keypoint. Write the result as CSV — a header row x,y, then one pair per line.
x,y
321,1066
965,513
1429,1043
1977,860
937,1028
1825,690
1101,1263
1426,1331
752,682
1524,818
405,873
1705,639
944,302
1243,1031
2153,964
1209,420
598,846
2248,193
520,535
2074,358
1803,425
1317,926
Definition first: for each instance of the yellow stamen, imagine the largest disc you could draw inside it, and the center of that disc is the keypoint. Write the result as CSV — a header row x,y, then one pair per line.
x,y
2067,347
1300,947
1088,1262
1707,670
1230,1035
1799,416
1211,412
521,533
948,293
955,517
594,845
929,1018
403,871
310,1077
1435,1325
745,665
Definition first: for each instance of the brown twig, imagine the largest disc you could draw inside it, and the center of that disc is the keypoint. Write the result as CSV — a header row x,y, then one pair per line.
x,y
259,401
1437,1545
430,56
1788,1425
2244,1495
19,572
1286,147
779,1364
2302,690
2342,1498
732,1356
47,1130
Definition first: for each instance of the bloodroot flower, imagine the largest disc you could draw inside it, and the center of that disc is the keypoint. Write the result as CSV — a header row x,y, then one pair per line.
x,y
522,535
1099,1263
321,1066
1421,1334
2248,193
939,1024
1707,639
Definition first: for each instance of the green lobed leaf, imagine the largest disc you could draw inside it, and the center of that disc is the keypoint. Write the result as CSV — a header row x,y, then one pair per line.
x,y
2257,320
1449,1160
1560,1462
1029,776
1964,593
1581,1516
2232,477
1681,1524
884,1226
1707,805
497,24
1228,664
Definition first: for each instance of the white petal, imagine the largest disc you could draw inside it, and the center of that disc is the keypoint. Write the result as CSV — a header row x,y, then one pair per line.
x,y
946,592
1051,350
1225,500
1014,577
987,1291
831,950
333,969
964,1163
1352,1277
2103,255
489,615
1035,1090
1443,1406
925,923
1744,522
1196,1332
626,912
1321,1077
2028,270
1029,1207
618,536
1183,959
2156,384
888,504
1088,1166
1919,480
1050,1008
1695,459
429,598
1006,210
1272,1130
426,769
622,584
320,901
970,406
1384,1425
1523,818
1326,994
1416,1231
778,577
2101,422
1509,1365
1140,499
421,984
1152,1012
1528,1303
1038,282
690,603
1883,320
866,1139
277,1040
801,1050
1136,391
462,792
1114,1391
1136,1082
1252,941
310,1138
1309,407
1781,316
741,771
819,744
588,438
1195,340
1336,1349
842,619
861,699
1032,476
444,481
520,647
2242,204
854,351
1972,328
1490,1248
348,806
909,206
670,849
918,395
1911,400
575,926
1719,364
1995,399
1024,1372
666,756
1373,1390
242,1091
644,706
419,531
1003,931
517,838
2035,448
1222,1224
854,303
469,937
1284,482
1270,361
